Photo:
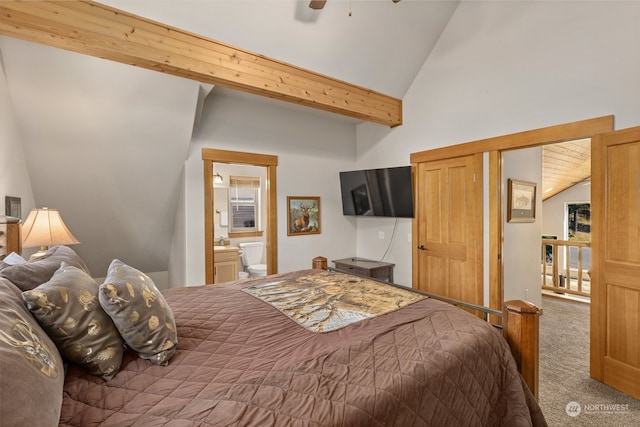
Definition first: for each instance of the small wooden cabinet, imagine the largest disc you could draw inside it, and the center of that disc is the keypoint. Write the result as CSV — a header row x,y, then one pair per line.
x,y
10,238
366,267
225,263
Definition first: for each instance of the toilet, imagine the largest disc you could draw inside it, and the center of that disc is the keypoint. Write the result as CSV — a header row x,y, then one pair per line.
x,y
251,257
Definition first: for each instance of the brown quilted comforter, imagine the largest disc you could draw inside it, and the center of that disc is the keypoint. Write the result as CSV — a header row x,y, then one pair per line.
x,y
240,362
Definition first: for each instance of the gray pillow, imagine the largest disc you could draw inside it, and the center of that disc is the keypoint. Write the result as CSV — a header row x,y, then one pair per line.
x,y
140,312
31,369
68,309
35,272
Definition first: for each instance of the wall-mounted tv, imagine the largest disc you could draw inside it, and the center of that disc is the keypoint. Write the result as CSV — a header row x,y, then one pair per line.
x,y
378,192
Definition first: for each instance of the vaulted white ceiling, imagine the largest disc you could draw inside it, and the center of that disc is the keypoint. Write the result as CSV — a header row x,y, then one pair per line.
x,y
376,44
106,142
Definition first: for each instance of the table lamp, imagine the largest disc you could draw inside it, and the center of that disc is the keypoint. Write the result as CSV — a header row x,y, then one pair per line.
x,y
44,228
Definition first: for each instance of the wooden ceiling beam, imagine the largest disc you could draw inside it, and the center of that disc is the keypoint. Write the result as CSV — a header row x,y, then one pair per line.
x,y
98,30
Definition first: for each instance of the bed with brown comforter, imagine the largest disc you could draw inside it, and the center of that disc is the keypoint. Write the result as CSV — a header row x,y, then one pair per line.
x,y
248,359
310,348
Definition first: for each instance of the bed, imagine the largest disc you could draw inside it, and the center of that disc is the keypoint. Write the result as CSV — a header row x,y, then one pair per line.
x,y
249,353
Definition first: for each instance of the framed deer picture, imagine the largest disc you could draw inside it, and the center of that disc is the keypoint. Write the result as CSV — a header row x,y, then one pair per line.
x,y
303,215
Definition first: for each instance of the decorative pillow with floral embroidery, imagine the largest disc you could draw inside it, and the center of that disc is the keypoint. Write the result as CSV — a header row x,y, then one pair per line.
x,y
68,309
140,312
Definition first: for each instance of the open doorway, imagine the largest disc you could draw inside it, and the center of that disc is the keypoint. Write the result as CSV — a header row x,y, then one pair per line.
x,y
535,138
269,163
614,161
566,218
495,201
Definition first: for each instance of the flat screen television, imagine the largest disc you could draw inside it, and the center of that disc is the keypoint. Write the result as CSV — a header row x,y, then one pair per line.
x,y
386,192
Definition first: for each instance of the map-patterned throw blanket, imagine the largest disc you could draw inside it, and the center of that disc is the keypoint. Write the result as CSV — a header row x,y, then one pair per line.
x,y
328,301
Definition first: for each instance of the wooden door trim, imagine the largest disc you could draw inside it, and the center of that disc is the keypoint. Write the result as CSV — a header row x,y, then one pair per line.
x,y
597,347
530,138
270,162
417,196
496,218
598,169
495,146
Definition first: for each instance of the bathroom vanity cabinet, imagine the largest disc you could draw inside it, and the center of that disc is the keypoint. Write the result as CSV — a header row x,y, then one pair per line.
x,y
225,263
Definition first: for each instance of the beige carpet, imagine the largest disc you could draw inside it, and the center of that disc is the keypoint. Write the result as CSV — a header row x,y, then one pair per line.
x,y
564,373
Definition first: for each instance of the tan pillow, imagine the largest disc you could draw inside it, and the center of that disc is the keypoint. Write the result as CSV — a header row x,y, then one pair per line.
x,y
140,312
34,272
68,309
31,369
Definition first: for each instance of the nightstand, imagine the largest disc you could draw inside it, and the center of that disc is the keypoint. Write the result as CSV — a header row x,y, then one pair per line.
x,y
10,240
366,267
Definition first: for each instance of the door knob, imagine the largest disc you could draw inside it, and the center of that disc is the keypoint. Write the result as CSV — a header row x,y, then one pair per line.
x,y
422,248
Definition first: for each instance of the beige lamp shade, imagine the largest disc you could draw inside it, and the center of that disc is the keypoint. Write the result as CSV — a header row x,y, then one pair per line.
x,y
44,228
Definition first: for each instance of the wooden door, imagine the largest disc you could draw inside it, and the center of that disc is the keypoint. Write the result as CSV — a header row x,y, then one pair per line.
x,y
615,274
449,222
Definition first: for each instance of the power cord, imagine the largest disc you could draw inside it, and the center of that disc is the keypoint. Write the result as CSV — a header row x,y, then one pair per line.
x,y
393,235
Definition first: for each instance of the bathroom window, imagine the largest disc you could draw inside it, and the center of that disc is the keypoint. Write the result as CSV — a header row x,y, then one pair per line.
x,y
244,205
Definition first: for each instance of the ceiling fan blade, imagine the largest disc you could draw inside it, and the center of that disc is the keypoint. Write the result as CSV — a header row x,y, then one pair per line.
x,y
317,4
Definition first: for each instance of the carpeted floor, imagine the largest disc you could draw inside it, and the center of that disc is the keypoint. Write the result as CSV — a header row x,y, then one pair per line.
x,y
564,373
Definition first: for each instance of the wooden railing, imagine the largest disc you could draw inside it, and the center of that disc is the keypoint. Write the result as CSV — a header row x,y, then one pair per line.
x,y
565,274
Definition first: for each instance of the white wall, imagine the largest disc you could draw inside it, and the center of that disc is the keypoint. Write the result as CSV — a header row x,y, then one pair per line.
x,y
499,67
14,180
380,147
311,151
506,67
105,143
177,266
521,244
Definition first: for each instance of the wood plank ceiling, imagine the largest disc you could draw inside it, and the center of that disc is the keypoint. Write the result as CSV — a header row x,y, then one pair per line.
x,y
95,29
565,165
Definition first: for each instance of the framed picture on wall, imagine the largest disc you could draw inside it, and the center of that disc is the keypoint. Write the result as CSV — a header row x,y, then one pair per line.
x,y
13,206
522,201
303,215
